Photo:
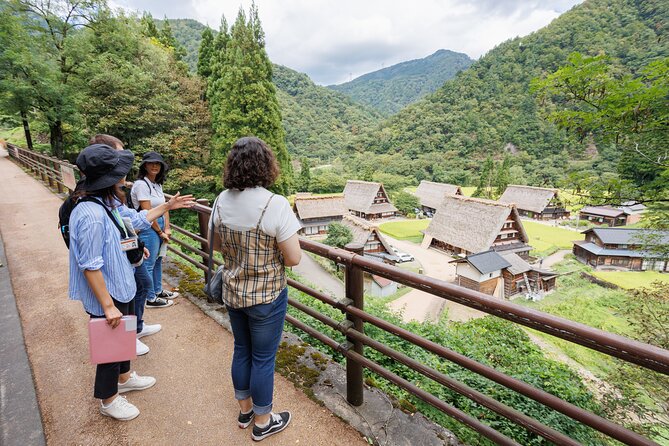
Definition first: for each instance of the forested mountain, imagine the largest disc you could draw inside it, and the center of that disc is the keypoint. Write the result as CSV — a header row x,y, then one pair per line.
x,y
489,109
188,33
390,89
319,122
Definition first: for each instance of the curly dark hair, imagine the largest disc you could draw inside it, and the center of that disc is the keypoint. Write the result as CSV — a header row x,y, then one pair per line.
x,y
250,163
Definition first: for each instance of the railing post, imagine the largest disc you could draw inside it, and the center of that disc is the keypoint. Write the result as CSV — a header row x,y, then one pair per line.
x,y
354,292
59,177
203,222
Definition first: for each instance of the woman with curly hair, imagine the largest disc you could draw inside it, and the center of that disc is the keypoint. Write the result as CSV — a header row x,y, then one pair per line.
x,y
256,231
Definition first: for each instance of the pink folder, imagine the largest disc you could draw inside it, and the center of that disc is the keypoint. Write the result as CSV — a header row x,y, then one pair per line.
x,y
108,344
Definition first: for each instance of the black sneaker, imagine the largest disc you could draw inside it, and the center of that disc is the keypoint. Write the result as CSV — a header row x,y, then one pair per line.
x,y
277,423
159,303
168,294
244,419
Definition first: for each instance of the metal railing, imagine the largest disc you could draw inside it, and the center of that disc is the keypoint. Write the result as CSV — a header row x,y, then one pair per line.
x,y
356,341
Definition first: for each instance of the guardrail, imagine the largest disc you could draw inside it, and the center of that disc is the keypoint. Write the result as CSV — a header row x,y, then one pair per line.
x,y
353,331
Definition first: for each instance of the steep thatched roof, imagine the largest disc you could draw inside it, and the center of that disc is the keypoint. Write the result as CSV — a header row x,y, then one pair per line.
x,y
472,224
359,196
362,230
528,198
315,206
430,193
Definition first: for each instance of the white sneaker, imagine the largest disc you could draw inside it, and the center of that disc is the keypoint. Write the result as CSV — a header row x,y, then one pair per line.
x,y
142,348
149,330
119,409
136,382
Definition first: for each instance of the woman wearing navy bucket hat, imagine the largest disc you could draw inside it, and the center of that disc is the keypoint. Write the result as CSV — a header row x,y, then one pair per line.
x,y
147,193
101,276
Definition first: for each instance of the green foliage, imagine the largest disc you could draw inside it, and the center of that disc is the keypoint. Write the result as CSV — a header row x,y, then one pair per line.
x,y
304,180
205,53
242,95
325,181
338,235
405,202
489,340
390,89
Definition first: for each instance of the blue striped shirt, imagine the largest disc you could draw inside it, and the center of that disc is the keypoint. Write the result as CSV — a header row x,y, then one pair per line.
x,y
95,244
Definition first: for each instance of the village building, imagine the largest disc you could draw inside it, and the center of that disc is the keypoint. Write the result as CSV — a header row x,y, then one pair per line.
x,y
633,210
368,235
502,275
535,202
603,215
622,249
316,212
368,200
522,278
464,225
431,194
378,286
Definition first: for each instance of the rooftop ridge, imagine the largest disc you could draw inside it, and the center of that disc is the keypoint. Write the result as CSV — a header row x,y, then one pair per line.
x,y
534,187
481,201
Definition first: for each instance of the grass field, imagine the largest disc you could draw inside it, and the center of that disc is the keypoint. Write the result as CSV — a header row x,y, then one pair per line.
x,y
405,230
468,190
547,239
631,279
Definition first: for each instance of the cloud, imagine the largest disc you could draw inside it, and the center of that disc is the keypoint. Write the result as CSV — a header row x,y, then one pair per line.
x,y
335,41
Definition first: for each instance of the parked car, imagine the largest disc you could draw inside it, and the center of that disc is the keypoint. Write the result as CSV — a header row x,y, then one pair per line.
x,y
403,256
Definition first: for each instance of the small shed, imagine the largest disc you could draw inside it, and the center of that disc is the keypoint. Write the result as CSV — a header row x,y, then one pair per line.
x,y
368,200
378,286
481,272
535,202
520,277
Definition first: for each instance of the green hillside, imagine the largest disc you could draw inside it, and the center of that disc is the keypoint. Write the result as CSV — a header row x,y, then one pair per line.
x,y
188,33
318,121
390,89
489,109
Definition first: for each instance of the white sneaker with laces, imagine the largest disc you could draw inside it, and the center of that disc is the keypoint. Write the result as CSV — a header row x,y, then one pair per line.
x,y
142,348
148,330
119,409
136,382
165,294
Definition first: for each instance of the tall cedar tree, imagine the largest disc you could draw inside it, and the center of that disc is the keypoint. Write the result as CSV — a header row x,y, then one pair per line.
x,y
205,53
242,96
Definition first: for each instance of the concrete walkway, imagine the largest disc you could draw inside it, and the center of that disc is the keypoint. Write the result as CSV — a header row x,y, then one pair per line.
x,y
321,279
191,403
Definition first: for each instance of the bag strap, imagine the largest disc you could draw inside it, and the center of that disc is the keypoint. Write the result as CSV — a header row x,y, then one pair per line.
x,y
109,214
210,260
263,211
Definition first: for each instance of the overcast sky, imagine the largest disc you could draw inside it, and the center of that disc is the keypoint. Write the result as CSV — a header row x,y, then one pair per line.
x,y
335,41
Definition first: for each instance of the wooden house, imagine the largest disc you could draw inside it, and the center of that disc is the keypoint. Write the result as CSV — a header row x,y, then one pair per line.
x,y
623,249
603,215
633,210
522,278
535,202
317,212
464,225
481,272
502,274
431,194
368,235
378,286
368,200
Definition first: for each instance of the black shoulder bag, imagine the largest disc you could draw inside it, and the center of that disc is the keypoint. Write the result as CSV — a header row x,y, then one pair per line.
x,y
214,287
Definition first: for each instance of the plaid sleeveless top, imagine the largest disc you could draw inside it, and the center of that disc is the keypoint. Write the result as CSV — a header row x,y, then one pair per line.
x,y
253,271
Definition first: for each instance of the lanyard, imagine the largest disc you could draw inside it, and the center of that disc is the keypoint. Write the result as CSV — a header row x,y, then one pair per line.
x,y
117,216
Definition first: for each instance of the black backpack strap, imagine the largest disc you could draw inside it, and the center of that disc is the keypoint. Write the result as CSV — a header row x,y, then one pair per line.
x,y
109,214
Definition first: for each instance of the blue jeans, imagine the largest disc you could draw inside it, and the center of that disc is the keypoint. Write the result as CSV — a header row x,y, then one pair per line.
x,y
144,288
154,264
257,332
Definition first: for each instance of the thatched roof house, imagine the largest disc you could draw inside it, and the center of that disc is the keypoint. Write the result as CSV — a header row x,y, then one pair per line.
x,y
316,212
464,225
369,236
368,200
431,194
535,202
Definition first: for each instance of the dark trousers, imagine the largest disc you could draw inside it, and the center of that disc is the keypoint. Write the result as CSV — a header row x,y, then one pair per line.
x,y
106,375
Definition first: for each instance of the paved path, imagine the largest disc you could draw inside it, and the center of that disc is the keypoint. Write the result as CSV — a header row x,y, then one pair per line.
x,y
317,276
421,306
554,258
191,403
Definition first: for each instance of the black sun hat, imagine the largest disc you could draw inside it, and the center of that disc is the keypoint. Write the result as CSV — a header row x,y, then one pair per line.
x,y
154,157
103,166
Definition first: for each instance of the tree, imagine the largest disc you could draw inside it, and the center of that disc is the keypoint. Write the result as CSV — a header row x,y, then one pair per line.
x,y
242,96
407,203
305,175
149,28
205,53
484,187
503,175
338,235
